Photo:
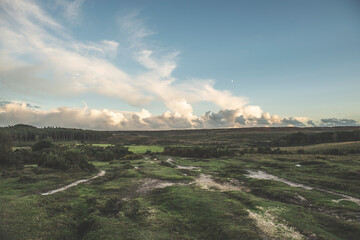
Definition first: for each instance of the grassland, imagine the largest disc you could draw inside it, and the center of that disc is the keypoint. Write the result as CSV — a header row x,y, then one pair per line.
x,y
325,146
168,197
145,148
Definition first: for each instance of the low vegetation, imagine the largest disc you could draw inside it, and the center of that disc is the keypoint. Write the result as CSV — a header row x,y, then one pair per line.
x,y
179,191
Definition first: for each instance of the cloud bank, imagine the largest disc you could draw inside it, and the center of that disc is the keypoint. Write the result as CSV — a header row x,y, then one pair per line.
x,y
104,119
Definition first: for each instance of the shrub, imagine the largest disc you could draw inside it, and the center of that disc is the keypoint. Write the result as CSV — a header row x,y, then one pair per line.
x,y
300,151
7,157
67,160
84,222
132,209
112,206
132,156
42,144
197,152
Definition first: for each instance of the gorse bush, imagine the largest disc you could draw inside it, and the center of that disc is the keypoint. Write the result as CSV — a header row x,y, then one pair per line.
x,y
66,161
104,154
84,221
112,206
42,144
199,152
7,157
300,139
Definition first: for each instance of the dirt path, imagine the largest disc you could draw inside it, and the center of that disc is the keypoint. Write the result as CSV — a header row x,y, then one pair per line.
x,y
188,167
206,182
264,175
273,227
100,174
150,184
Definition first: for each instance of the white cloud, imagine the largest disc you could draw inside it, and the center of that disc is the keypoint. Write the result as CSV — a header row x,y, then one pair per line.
x,y
105,119
134,29
66,70
75,67
71,8
331,122
39,56
100,49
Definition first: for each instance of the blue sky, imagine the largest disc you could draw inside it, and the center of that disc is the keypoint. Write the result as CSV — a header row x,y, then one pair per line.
x,y
180,64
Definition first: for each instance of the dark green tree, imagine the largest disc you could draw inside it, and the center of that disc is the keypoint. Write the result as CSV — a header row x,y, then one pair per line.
x,y
42,144
5,148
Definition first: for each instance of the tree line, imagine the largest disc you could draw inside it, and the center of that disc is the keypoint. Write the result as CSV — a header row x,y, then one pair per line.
x,y
302,139
28,133
45,153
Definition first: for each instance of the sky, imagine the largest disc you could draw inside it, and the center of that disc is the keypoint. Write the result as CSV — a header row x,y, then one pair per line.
x,y
146,65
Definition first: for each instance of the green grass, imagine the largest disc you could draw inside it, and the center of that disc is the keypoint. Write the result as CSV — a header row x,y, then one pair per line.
x,y
325,146
30,165
112,207
25,147
104,145
138,149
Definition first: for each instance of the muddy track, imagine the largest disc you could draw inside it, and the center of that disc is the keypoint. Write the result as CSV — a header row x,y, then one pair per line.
x,y
100,174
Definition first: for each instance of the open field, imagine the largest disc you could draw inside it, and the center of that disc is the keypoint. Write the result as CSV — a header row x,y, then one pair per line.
x,y
145,148
242,195
325,146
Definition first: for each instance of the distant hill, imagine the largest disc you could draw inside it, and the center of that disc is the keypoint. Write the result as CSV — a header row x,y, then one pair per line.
x,y
232,137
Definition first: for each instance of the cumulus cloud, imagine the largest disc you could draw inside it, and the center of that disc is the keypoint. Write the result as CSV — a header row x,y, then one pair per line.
x,y
105,119
329,122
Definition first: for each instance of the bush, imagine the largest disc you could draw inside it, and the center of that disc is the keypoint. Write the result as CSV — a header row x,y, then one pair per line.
x,y
104,156
118,151
84,222
7,157
197,152
112,206
42,144
67,160
132,157
167,164
132,209
300,151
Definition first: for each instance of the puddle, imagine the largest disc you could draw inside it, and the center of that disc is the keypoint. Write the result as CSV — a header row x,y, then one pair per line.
x,y
100,174
264,175
189,168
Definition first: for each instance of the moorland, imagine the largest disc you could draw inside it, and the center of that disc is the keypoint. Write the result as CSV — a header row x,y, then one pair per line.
x,y
240,183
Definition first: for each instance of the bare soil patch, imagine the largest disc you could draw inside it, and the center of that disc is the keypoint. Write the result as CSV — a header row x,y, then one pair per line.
x,y
207,182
